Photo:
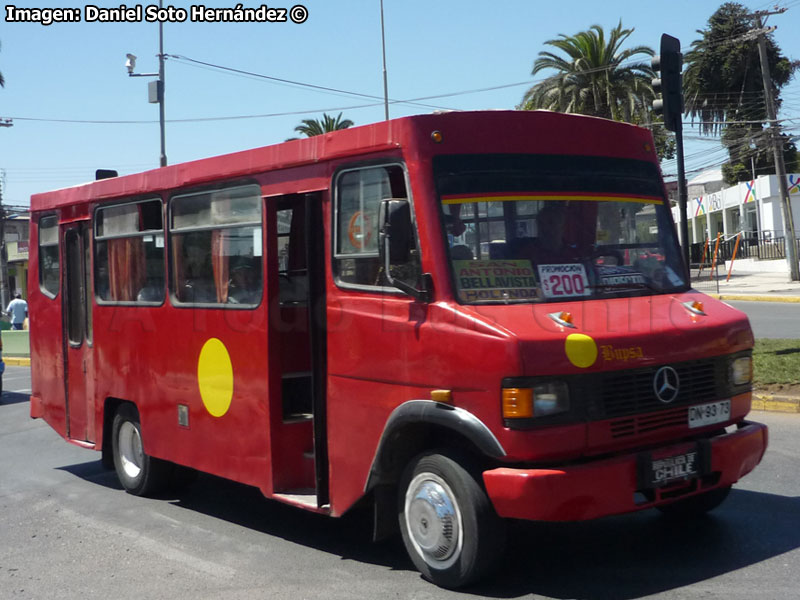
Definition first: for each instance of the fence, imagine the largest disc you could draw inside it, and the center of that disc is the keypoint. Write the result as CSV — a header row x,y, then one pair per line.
x,y
763,246
707,279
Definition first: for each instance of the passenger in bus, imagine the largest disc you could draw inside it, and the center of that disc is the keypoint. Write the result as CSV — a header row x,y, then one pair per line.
x,y
455,226
461,252
153,291
198,285
244,287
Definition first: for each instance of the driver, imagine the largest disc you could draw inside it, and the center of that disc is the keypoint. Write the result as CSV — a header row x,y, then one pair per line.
x,y
549,247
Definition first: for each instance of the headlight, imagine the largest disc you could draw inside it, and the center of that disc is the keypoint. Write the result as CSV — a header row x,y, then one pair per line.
x,y
742,370
540,400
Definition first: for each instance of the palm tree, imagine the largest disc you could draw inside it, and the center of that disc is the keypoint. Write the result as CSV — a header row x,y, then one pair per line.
x,y
723,88
595,77
2,81
312,127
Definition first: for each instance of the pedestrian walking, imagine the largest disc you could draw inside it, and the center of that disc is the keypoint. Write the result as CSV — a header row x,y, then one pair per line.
x,y
18,311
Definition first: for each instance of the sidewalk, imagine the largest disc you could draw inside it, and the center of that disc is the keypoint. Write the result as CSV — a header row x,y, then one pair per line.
x,y
760,287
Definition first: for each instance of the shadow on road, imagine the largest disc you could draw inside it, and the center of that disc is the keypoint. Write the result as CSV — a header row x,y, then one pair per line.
x,y
13,398
348,537
94,472
639,555
617,558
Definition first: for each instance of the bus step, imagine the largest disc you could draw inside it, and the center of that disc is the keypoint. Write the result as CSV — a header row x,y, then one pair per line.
x,y
306,498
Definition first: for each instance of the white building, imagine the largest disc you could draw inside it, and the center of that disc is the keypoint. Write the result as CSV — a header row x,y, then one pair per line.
x,y
752,207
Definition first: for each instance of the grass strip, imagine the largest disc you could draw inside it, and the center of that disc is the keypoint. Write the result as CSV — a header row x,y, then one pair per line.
x,y
776,361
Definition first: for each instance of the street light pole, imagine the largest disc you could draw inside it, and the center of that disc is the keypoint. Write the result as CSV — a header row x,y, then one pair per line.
x,y
161,88
385,77
156,92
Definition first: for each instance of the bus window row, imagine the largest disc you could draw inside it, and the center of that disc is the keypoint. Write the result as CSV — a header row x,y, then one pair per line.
x,y
215,250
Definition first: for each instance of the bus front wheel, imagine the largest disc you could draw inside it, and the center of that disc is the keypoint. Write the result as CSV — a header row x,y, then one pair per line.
x,y
139,473
448,523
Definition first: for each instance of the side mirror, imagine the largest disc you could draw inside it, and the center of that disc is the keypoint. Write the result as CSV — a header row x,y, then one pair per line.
x,y
394,217
395,242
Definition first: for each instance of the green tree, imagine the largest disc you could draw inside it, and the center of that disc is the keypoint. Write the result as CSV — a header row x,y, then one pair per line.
x,y
598,77
724,90
312,127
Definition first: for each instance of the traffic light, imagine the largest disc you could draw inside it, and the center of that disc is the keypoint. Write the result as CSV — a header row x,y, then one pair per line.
x,y
670,84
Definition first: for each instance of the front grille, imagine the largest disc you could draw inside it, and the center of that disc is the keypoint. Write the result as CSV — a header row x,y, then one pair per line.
x,y
632,392
626,402
647,423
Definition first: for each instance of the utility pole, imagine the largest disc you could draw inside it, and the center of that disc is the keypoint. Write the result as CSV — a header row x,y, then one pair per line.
x,y
777,148
4,293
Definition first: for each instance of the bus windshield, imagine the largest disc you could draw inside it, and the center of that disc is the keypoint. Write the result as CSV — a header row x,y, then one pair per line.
x,y
533,228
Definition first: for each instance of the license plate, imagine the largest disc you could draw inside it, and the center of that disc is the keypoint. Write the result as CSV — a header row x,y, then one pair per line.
x,y
708,414
678,467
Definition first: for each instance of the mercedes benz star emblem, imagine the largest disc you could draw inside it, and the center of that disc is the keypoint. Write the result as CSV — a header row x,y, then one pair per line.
x,y
666,384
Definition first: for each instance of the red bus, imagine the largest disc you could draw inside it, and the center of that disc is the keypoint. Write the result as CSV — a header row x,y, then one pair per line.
x,y
461,318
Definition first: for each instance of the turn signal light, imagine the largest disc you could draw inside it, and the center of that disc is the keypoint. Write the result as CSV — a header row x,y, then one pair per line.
x,y
517,403
695,306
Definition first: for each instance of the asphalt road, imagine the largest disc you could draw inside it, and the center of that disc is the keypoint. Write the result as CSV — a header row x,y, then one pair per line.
x,y
67,530
772,319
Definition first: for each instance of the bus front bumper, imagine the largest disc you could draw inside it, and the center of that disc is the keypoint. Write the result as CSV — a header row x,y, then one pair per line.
x,y
615,485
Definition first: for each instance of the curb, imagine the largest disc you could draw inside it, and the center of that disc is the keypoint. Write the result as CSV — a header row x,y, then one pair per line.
x,y
17,361
754,298
770,403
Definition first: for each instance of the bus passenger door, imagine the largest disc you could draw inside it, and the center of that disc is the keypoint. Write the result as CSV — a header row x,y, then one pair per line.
x,y
79,367
298,421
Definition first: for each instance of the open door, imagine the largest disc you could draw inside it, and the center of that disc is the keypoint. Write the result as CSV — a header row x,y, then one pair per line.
x,y
77,310
299,423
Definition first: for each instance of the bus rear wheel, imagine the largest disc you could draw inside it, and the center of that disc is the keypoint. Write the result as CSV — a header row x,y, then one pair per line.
x,y
139,473
448,523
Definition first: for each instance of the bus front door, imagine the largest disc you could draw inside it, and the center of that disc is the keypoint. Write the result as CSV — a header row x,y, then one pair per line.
x,y
299,436
79,367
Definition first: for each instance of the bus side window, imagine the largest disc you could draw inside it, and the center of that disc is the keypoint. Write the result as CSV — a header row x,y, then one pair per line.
x,y
216,244
129,252
49,273
359,193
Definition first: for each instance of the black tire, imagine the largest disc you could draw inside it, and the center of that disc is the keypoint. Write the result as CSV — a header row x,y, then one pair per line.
x,y
139,474
696,506
448,524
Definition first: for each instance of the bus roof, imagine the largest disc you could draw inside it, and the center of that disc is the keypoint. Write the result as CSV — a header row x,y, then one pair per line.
x,y
463,132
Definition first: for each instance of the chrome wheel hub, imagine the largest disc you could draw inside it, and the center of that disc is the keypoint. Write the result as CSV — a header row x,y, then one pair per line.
x,y
130,450
433,520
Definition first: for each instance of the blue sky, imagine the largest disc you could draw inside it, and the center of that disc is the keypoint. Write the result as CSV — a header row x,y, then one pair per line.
x,y
75,72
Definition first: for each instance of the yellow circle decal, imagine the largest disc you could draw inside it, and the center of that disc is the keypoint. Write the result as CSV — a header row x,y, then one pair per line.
x,y
581,350
215,377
